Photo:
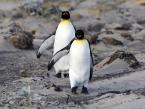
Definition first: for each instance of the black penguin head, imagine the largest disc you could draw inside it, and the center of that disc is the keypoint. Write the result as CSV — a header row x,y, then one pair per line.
x,y
79,34
65,15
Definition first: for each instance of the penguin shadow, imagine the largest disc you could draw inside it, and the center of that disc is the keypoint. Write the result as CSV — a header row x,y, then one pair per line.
x,y
59,83
64,85
79,98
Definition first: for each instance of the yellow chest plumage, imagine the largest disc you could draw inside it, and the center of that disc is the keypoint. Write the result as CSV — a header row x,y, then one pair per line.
x,y
64,22
80,41
64,34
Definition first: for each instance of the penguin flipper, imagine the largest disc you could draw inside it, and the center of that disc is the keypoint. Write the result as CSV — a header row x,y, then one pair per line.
x,y
91,62
48,43
56,57
91,70
64,51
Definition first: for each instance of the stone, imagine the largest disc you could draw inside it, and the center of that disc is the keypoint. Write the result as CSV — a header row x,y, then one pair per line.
x,y
125,26
141,2
56,88
17,15
126,56
25,91
127,36
20,38
111,41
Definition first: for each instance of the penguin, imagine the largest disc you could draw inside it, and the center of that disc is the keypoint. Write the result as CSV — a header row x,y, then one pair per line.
x,y
65,32
80,62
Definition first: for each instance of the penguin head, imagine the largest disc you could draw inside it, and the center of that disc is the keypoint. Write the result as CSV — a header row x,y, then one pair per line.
x,y
79,34
65,15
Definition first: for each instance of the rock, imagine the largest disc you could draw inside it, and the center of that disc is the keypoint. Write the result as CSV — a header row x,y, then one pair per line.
x,y
36,97
113,26
141,22
111,41
56,88
52,11
141,2
24,73
96,59
137,27
125,26
25,91
14,28
95,27
127,57
140,35
127,36
91,25
47,86
21,39
92,38
2,14
17,14
32,7
108,70
24,102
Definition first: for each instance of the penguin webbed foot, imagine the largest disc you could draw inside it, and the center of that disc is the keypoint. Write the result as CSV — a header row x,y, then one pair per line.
x,y
74,90
84,90
58,75
66,75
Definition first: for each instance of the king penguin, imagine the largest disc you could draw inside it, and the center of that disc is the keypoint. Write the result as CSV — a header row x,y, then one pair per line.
x,y
80,62
65,32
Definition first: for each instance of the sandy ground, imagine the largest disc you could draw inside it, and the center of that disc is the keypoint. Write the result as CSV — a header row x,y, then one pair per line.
x,y
24,83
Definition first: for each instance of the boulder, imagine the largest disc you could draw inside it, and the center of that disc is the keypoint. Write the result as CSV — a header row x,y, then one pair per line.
x,y
111,41
141,2
17,15
127,57
127,36
124,26
20,38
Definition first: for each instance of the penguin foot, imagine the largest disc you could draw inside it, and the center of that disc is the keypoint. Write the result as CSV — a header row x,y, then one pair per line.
x,y
66,75
74,90
84,90
58,75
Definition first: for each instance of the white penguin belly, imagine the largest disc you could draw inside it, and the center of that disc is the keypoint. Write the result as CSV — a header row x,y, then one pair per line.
x,y
64,34
79,64
62,65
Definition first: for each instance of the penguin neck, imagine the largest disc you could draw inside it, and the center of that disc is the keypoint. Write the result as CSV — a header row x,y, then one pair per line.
x,y
80,41
65,21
